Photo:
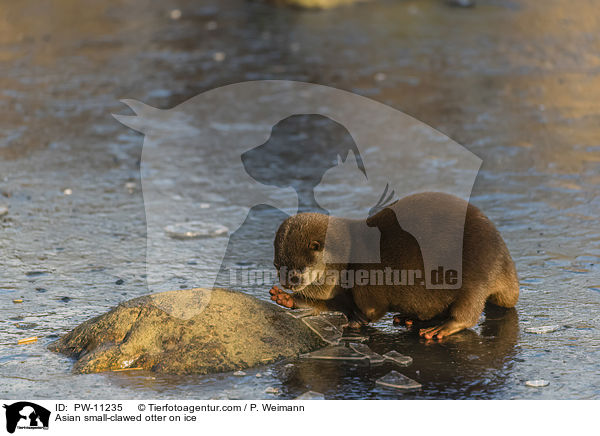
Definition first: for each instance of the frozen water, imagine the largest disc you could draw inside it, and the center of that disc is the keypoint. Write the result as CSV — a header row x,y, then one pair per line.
x,y
338,319
195,229
374,358
398,381
310,395
398,358
326,330
542,329
537,383
336,352
354,338
301,313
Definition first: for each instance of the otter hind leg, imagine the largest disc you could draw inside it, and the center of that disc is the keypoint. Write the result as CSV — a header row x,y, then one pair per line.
x,y
464,313
447,328
506,297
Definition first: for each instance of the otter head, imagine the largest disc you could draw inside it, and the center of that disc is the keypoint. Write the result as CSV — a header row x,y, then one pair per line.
x,y
302,255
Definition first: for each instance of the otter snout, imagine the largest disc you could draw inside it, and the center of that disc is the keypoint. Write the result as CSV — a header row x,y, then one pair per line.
x,y
292,279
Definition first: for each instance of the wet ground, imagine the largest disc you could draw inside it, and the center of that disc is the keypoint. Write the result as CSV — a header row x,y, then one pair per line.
x,y
517,83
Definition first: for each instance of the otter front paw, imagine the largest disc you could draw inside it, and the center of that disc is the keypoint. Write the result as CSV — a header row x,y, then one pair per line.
x,y
282,298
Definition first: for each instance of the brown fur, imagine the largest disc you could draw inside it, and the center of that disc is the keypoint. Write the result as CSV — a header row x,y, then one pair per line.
x,y
488,272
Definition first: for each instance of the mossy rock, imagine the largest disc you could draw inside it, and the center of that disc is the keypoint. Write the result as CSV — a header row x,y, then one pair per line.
x,y
194,331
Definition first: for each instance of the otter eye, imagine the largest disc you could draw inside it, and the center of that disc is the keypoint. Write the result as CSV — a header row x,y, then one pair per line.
x,y
314,245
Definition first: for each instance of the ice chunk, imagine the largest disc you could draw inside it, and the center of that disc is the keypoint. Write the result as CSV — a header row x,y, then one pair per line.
x,y
338,319
542,329
195,229
537,383
374,358
310,395
396,380
326,330
337,352
354,338
398,358
301,313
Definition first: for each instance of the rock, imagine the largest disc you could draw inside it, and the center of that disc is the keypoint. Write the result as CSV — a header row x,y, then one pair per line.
x,y
189,331
316,4
396,380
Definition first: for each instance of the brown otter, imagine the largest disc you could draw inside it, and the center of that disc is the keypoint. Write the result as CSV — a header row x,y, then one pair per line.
x,y
313,269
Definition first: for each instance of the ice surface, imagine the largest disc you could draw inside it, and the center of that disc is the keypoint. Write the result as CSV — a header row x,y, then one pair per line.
x,y
195,229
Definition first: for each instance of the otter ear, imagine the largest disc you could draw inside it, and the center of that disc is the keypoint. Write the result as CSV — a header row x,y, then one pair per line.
x,y
315,245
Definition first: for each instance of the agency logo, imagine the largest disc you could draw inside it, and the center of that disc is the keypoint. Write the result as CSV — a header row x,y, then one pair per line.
x,y
26,415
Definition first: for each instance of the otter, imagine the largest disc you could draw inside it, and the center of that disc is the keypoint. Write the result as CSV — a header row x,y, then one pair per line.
x,y
310,248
